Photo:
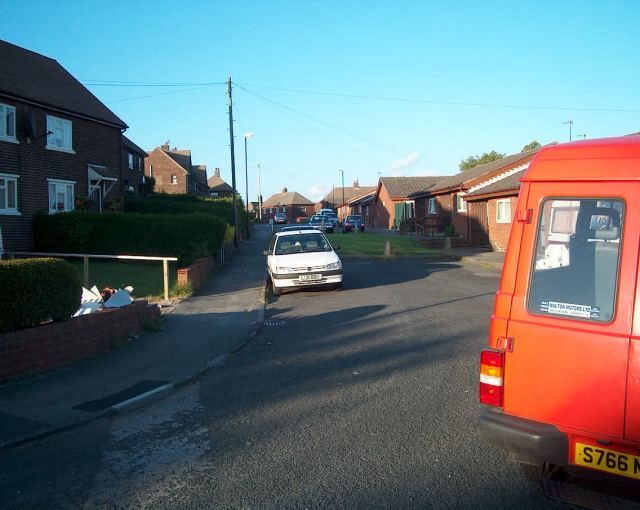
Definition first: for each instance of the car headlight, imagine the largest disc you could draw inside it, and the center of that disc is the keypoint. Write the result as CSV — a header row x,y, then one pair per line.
x,y
334,265
282,269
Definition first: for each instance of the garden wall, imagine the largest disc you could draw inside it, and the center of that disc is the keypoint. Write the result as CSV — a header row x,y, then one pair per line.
x,y
33,350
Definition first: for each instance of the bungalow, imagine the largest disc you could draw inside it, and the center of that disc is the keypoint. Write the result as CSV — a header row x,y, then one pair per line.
x,y
132,166
444,207
59,145
217,187
358,205
393,201
174,172
292,203
337,198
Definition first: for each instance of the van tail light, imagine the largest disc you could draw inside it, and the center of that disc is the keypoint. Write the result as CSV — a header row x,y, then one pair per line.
x,y
491,377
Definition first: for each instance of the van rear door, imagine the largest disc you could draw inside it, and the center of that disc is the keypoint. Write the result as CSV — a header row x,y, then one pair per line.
x,y
572,308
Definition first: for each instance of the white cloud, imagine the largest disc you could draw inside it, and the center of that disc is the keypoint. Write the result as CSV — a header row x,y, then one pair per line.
x,y
400,165
318,191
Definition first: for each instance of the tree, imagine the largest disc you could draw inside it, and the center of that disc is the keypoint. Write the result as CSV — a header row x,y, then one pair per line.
x,y
486,157
532,146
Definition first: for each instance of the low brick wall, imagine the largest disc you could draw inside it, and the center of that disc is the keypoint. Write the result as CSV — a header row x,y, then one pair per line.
x,y
34,350
196,274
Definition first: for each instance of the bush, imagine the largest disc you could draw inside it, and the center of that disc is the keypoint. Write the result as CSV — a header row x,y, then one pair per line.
x,y
407,225
186,236
37,290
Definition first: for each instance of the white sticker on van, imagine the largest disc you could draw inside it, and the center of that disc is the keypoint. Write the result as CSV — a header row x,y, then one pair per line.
x,y
571,309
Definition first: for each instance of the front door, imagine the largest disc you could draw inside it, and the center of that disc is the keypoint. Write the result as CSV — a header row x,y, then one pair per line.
x,y
479,224
572,307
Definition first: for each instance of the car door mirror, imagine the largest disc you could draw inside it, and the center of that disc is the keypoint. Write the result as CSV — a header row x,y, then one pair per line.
x,y
266,253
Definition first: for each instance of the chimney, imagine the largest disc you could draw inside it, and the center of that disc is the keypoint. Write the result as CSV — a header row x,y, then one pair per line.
x,y
356,184
165,146
217,172
284,190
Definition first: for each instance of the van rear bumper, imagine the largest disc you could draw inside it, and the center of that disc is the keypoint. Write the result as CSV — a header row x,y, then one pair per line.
x,y
527,441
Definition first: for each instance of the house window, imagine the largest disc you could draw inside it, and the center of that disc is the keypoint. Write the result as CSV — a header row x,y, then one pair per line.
x,y
8,194
304,208
284,209
150,170
60,137
174,179
503,211
431,206
461,205
61,195
130,161
7,123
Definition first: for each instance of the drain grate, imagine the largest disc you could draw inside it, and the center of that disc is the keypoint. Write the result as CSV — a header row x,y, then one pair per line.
x,y
274,323
121,396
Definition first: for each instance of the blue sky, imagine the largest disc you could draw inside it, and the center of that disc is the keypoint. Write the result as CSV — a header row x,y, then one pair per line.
x,y
372,87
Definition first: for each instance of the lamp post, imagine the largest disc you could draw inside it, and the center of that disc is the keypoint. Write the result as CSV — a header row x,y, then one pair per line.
x,y
246,178
570,122
342,172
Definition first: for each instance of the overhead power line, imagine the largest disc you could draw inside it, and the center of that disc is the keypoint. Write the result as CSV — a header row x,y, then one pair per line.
x,y
117,83
448,103
158,94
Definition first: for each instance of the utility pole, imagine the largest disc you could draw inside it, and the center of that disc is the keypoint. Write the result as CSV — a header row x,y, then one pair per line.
x,y
233,164
342,172
246,179
570,122
259,195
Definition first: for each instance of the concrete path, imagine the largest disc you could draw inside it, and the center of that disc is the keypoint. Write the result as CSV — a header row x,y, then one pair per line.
x,y
221,318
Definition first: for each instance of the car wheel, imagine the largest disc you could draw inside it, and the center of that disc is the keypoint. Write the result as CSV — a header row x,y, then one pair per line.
x,y
277,291
337,286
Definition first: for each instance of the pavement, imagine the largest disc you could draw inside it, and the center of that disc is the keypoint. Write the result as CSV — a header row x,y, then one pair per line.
x,y
481,256
197,335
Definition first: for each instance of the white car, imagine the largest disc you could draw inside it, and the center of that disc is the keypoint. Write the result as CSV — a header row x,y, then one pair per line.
x,y
302,258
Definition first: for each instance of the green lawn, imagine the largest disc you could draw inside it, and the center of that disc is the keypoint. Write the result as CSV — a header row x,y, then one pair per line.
x,y
372,245
144,277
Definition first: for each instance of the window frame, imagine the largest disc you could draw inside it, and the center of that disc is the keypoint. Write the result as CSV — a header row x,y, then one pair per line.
x,y
532,268
5,109
65,184
10,211
431,201
130,161
460,200
174,179
503,201
50,127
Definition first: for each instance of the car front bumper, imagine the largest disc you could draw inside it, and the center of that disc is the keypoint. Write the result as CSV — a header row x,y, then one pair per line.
x,y
293,279
527,441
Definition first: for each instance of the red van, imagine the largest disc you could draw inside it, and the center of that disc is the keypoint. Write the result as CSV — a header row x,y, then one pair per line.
x,y
560,382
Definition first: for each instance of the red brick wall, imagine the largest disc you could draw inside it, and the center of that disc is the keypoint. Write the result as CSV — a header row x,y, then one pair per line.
x,y
196,274
383,210
499,232
34,350
93,143
163,168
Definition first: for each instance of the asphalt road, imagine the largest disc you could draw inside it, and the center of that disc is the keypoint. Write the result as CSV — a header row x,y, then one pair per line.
x,y
361,398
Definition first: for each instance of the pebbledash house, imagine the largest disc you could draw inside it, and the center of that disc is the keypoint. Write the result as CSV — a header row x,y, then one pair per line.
x,y
60,147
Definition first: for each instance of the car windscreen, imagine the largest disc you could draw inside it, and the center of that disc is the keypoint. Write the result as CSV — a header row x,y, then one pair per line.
x,y
301,243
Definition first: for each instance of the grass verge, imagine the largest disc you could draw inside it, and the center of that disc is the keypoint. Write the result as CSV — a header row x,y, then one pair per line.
x,y
367,244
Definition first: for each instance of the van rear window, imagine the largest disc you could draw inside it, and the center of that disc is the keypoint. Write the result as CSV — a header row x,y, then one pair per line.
x,y
575,271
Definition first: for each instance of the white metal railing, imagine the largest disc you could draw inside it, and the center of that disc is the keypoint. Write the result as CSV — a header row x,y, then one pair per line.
x,y
86,257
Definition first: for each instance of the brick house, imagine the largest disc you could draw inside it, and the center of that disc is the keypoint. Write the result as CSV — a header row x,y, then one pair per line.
x,y
132,166
394,200
59,145
218,187
444,206
292,203
499,200
358,205
338,198
174,172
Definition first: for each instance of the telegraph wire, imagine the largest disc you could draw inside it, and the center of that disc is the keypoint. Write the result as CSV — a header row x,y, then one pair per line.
x,y
157,94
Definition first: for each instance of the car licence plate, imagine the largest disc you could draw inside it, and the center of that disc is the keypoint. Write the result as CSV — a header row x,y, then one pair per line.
x,y
310,277
604,459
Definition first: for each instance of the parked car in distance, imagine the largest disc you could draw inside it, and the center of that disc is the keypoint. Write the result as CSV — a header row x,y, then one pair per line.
x,y
332,217
302,259
353,222
280,217
322,223
326,211
560,380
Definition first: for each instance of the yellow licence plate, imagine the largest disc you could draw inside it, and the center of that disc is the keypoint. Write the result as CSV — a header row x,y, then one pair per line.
x,y
610,461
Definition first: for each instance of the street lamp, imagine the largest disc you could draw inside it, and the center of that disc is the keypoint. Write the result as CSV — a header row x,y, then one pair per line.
x,y
342,172
246,178
570,122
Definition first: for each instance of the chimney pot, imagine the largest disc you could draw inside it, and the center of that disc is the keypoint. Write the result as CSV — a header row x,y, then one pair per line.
x,y
217,172
356,184
284,190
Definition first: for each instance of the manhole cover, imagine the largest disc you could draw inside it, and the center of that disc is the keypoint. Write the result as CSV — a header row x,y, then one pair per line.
x,y
274,323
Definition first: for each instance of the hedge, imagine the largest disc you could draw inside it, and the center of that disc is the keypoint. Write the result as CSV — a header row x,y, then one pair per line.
x,y
186,236
37,290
